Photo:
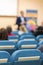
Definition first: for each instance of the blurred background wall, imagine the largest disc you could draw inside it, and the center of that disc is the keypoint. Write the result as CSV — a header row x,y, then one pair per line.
x,y
23,5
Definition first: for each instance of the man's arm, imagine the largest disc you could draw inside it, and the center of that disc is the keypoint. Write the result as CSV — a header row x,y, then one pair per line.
x,y
25,19
18,21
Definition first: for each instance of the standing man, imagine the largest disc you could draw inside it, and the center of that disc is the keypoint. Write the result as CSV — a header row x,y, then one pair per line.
x,y
21,20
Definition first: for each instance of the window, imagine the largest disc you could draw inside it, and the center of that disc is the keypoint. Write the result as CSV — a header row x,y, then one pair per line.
x,y
8,7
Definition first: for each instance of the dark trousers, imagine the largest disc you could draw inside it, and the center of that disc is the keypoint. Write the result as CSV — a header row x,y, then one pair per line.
x,y
19,27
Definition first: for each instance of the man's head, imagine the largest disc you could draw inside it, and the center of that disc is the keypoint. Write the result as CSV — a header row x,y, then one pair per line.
x,y
22,13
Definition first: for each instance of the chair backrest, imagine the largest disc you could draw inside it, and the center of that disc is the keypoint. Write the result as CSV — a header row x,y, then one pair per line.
x,y
4,57
40,46
39,38
29,37
28,33
33,56
15,32
9,46
27,44
42,56
13,38
42,59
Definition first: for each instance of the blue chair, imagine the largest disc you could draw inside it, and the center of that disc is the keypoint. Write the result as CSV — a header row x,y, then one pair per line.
x,y
28,33
9,46
5,58
29,37
39,38
40,43
27,57
40,46
15,32
42,59
27,44
13,38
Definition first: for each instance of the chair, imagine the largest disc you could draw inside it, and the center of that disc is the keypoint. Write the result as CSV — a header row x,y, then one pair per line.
x,y
40,46
26,57
5,58
13,38
27,44
28,33
42,59
15,32
39,38
29,37
9,46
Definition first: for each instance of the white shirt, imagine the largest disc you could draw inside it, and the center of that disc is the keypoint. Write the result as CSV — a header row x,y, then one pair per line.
x,y
22,19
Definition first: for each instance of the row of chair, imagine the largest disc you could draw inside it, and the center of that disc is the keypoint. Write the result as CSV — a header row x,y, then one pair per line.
x,y
17,33
11,46
29,37
22,57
